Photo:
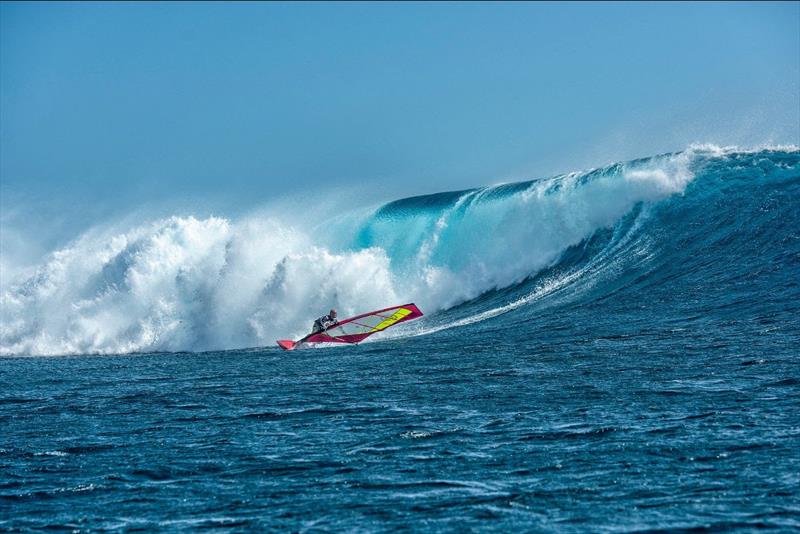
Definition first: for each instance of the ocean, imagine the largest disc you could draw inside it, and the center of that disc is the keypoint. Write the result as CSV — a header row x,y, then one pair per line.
x,y
606,350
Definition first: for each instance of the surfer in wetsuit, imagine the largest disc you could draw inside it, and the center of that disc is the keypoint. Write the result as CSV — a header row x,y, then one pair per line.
x,y
324,322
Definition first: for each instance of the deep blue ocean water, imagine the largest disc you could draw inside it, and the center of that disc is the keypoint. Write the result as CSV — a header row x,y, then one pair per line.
x,y
643,377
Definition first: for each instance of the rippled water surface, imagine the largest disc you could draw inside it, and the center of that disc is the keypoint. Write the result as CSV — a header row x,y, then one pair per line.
x,y
557,436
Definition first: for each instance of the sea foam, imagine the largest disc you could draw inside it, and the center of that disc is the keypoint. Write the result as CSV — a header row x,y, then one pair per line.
x,y
186,283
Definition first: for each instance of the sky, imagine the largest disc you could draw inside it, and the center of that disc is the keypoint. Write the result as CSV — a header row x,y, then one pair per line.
x,y
115,108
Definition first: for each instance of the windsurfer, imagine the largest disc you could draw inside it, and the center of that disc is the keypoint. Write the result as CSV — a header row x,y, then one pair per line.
x,y
327,329
324,322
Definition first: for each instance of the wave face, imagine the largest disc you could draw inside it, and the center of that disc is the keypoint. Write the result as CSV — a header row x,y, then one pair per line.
x,y
672,239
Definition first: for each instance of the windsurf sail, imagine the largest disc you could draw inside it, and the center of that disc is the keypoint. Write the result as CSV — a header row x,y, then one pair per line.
x,y
358,328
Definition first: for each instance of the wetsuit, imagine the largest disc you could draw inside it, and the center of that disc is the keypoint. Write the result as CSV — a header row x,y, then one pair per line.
x,y
323,323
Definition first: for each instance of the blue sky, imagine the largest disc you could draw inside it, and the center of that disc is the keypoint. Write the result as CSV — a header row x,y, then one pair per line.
x,y
108,108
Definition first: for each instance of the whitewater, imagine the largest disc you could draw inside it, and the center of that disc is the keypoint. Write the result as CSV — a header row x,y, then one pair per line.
x,y
194,284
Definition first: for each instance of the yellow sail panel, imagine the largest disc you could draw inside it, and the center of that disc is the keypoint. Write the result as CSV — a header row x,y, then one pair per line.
x,y
389,321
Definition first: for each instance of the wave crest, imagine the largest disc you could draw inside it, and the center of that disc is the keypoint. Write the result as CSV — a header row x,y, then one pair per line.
x,y
185,283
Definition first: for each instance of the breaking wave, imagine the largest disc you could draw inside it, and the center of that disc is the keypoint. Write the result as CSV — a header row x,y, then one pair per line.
x,y
186,283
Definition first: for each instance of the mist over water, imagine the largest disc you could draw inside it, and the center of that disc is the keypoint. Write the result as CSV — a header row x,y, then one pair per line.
x,y
189,284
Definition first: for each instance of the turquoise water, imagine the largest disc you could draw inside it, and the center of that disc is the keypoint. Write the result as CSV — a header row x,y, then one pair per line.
x,y
613,350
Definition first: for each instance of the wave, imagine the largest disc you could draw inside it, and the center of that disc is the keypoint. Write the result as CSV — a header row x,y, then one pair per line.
x,y
186,283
